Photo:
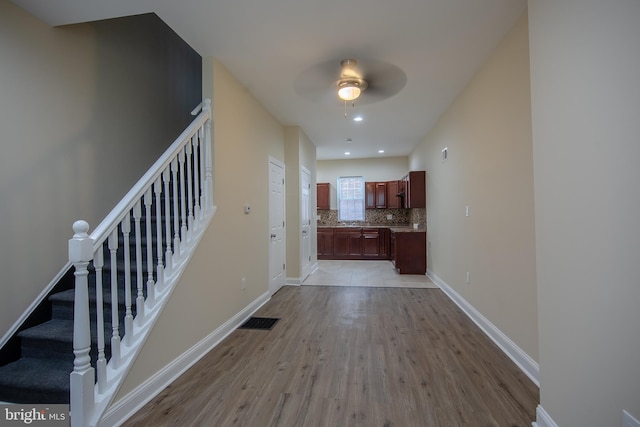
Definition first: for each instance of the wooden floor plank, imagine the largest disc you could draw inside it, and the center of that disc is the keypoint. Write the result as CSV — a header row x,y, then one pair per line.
x,y
351,356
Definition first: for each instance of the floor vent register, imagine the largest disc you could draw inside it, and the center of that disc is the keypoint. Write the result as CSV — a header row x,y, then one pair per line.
x,y
264,323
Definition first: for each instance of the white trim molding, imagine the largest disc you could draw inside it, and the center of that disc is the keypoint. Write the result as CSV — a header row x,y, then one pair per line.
x,y
543,419
123,409
293,281
529,366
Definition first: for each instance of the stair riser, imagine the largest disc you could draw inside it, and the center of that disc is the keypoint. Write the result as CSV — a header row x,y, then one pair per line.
x,y
64,310
61,351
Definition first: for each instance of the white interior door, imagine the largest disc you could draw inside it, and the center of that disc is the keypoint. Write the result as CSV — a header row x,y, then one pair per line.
x,y
276,226
305,222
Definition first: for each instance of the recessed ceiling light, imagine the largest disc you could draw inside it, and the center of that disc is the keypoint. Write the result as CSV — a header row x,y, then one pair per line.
x,y
357,119
380,151
346,153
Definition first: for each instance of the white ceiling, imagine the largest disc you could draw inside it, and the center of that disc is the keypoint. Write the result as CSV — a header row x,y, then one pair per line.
x,y
269,44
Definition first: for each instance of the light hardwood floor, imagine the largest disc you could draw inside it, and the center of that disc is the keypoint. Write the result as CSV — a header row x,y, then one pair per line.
x,y
351,356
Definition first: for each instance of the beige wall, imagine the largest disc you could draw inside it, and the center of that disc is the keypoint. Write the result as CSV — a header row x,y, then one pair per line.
x,y
299,152
373,169
487,131
585,68
74,103
235,245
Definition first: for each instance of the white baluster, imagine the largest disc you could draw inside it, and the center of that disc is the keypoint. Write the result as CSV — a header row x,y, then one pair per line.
x,y
157,189
168,265
208,158
82,377
189,186
128,316
101,363
150,283
176,213
183,197
115,317
201,178
137,214
196,178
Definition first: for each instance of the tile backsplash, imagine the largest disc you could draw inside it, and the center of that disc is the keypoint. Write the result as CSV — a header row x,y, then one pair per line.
x,y
379,217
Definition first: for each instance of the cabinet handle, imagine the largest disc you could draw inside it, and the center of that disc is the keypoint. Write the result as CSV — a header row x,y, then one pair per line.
x,y
273,236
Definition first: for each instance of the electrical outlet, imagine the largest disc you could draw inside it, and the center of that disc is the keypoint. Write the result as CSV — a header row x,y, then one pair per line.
x,y
244,283
468,278
628,420
390,216
466,211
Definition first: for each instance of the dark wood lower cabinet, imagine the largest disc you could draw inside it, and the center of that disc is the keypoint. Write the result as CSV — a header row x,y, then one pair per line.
x,y
370,242
409,251
325,242
353,243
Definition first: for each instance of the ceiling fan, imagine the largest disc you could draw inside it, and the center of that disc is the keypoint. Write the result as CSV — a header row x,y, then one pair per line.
x,y
367,80
351,84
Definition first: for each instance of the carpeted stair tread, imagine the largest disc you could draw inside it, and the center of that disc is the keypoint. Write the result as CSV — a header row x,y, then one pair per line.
x,y
54,329
35,381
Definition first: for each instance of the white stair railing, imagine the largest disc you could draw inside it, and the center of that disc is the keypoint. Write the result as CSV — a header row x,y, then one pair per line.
x,y
175,197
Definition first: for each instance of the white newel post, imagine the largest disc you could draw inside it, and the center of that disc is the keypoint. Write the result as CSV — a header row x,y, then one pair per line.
x,y
208,157
83,377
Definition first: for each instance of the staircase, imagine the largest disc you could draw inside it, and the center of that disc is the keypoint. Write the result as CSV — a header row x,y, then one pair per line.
x,y
124,272
41,373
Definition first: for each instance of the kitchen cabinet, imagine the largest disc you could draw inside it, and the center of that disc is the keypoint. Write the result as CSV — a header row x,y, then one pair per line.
x,y
415,190
381,195
347,243
325,242
393,200
369,195
370,242
323,195
375,243
409,251
353,243
375,195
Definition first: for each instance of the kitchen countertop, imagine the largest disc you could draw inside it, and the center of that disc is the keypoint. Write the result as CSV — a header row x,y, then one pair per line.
x,y
394,228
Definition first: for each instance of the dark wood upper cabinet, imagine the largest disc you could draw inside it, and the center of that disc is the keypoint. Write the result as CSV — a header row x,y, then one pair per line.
x,y
393,200
381,195
369,195
323,193
415,190
375,195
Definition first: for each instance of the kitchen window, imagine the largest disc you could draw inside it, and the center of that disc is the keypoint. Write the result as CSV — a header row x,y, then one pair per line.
x,y
351,198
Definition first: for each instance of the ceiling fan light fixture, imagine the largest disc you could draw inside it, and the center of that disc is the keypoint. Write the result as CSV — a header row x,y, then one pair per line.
x,y
349,90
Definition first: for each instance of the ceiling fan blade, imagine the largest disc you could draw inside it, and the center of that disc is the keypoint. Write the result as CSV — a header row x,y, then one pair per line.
x,y
319,82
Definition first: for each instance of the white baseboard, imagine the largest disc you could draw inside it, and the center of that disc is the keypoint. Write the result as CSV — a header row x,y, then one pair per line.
x,y
543,419
120,411
293,281
529,366
297,281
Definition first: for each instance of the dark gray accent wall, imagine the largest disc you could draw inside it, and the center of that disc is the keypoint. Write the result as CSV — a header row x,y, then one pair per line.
x,y
85,109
